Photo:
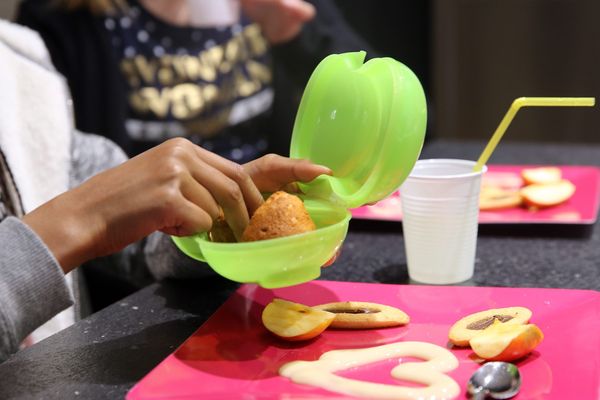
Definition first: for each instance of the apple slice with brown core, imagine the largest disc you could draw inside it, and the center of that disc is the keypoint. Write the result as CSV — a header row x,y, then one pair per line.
x,y
548,194
496,198
506,342
541,175
294,321
472,325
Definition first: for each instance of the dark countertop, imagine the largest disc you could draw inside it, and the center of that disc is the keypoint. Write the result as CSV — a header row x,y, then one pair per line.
x,y
103,356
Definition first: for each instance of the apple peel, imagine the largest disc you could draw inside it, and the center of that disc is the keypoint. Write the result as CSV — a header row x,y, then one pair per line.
x,y
293,321
504,342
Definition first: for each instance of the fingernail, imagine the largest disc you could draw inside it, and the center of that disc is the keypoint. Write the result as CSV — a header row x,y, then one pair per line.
x,y
327,169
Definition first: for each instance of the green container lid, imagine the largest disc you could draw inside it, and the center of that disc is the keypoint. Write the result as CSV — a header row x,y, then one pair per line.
x,y
365,121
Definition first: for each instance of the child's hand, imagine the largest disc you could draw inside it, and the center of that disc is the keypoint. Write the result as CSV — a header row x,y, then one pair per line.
x,y
280,21
176,187
272,172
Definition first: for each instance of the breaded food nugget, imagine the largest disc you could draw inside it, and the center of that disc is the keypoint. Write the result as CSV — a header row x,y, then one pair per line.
x,y
221,232
282,214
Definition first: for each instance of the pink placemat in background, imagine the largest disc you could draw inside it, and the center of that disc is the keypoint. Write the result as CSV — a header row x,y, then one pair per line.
x,y
582,208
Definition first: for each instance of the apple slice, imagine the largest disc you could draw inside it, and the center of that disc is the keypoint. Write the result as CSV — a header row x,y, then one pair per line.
x,y
506,342
541,175
547,195
496,198
466,328
293,321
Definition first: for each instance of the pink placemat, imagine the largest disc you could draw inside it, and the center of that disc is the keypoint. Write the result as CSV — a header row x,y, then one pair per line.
x,y
582,208
232,356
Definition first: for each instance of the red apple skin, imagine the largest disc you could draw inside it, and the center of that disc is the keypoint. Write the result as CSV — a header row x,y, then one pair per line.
x,y
518,347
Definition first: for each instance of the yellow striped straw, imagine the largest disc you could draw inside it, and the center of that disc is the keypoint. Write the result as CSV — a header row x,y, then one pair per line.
x,y
528,102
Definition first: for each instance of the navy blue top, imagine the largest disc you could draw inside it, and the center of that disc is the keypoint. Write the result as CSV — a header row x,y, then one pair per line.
x,y
192,82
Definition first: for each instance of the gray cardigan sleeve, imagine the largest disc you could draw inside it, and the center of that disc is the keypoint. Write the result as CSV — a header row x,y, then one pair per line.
x,y
32,284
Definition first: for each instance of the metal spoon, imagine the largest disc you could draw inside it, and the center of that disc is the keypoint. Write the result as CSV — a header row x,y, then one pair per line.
x,y
496,380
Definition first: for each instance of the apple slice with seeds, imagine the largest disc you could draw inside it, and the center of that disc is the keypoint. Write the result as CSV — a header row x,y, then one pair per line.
x,y
466,328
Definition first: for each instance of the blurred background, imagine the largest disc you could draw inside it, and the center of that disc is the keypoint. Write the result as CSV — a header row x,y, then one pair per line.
x,y
475,56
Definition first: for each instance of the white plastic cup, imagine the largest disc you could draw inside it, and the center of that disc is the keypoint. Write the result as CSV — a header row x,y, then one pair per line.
x,y
440,209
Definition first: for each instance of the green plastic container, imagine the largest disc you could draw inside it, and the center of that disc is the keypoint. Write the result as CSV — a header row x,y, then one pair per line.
x,y
365,121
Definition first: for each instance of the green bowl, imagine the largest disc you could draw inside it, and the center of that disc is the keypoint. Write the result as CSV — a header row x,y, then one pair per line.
x,y
277,262
365,121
